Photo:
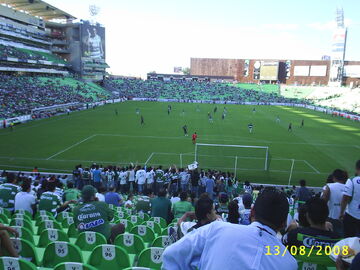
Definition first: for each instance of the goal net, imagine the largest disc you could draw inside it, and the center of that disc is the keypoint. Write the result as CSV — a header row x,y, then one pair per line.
x,y
231,157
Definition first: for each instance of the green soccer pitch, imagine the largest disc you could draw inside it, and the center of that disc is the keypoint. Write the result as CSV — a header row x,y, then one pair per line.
x,y
100,136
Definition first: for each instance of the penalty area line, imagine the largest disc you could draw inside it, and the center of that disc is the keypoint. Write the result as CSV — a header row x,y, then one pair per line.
x,y
151,155
71,146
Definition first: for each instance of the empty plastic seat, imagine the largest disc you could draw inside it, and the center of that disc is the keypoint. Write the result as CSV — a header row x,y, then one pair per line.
x,y
22,223
162,241
146,233
51,235
48,224
67,222
160,221
151,257
121,214
135,219
144,216
72,231
24,212
4,219
153,225
106,257
89,240
23,216
25,249
74,266
127,223
40,219
138,268
63,215
58,252
10,263
24,233
6,212
132,243
43,213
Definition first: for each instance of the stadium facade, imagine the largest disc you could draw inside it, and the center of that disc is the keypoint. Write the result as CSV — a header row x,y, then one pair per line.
x,y
42,39
332,71
291,72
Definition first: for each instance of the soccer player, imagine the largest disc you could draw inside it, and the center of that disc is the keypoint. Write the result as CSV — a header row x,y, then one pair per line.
x,y
254,111
168,110
183,112
197,108
210,117
116,112
223,116
194,137
185,129
277,119
302,123
250,127
215,109
142,120
137,111
290,127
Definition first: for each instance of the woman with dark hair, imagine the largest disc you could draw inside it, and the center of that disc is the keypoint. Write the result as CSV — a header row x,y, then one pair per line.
x,y
233,216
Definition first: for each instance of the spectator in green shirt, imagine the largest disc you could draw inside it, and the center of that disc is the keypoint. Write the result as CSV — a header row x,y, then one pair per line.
x,y
161,206
52,202
183,206
71,193
144,202
95,216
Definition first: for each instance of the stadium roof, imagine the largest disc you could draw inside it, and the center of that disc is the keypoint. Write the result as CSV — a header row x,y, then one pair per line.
x,y
38,8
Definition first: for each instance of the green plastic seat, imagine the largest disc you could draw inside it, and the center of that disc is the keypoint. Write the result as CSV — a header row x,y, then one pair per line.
x,y
167,230
67,222
51,235
43,213
109,257
151,257
48,224
135,219
89,240
22,223
162,241
4,219
25,233
74,266
153,225
127,223
40,219
121,214
24,212
25,249
6,212
72,231
160,221
138,268
143,215
63,215
23,216
146,233
58,252
128,211
132,243
10,263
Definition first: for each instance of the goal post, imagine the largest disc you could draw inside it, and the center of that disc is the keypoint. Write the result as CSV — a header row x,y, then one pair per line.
x,y
229,156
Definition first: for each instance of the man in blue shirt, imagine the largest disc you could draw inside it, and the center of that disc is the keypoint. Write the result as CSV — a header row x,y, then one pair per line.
x,y
221,245
209,186
96,174
112,197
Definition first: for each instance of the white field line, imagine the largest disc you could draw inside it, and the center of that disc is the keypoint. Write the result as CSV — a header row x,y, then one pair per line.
x,y
221,138
71,146
13,166
311,166
291,171
151,155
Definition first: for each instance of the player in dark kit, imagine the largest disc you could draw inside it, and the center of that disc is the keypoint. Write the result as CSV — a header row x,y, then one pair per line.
x,y
142,120
290,127
185,129
250,127
302,123
215,109
116,112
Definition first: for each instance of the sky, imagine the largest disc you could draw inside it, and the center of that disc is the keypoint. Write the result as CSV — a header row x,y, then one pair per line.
x,y
157,35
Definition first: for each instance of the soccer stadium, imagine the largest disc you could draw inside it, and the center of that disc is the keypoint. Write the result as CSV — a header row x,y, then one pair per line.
x,y
242,163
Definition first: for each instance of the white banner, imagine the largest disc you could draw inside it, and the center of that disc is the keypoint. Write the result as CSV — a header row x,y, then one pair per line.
x,y
352,71
319,71
301,70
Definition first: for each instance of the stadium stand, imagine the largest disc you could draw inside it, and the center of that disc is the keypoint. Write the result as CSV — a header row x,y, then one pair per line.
x,y
191,90
20,94
147,241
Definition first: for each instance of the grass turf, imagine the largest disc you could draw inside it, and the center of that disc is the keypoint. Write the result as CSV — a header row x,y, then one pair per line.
x,y
312,152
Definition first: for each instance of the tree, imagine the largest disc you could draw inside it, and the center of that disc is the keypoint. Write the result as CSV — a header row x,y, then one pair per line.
x,y
186,71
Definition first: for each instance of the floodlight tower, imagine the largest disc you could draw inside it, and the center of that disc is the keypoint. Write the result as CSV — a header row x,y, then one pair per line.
x,y
338,50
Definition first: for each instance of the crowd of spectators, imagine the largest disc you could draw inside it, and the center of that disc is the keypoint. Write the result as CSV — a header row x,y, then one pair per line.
x,y
193,90
20,94
7,51
210,207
